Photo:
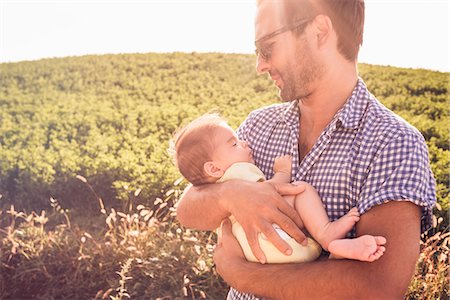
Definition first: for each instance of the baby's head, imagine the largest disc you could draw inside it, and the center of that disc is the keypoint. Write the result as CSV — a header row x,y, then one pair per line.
x,y
206,148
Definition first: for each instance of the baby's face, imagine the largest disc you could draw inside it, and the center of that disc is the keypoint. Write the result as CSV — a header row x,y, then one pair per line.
x,y
229,149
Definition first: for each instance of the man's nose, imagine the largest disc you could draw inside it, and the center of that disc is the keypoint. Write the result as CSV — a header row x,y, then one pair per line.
x,y
262,66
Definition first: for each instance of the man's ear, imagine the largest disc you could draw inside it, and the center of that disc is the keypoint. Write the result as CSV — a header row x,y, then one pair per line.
x,y
212,170
323,28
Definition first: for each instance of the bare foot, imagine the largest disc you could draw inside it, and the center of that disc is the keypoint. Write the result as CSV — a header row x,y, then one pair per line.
x,y
339,228
365,248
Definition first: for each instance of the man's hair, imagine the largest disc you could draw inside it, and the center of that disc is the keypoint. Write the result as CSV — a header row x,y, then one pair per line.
x,y
193,145
347,17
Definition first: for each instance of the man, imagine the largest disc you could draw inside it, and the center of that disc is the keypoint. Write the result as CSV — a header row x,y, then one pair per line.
x,y
353,150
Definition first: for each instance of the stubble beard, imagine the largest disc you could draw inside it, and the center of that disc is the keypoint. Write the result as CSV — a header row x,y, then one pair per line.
x,y
298,79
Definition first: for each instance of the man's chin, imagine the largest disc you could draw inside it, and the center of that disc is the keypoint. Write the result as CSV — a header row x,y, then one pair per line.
x,y
286,98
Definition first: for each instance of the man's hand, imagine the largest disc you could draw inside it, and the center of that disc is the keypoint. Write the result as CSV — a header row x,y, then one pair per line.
x,y
256,206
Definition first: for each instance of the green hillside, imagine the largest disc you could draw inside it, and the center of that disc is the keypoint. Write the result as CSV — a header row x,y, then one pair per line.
x,y
109,118
79,129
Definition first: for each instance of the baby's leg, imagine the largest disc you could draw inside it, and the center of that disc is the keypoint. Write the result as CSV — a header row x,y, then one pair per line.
x,y
365,248
311,210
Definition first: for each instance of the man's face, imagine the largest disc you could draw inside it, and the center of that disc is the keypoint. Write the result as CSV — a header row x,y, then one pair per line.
x,y
288,58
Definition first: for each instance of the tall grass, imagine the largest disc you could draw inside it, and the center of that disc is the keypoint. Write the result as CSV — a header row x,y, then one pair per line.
x,y
431,280
142,253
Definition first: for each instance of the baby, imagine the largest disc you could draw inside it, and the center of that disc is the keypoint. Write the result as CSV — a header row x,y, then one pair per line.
x,y
208,151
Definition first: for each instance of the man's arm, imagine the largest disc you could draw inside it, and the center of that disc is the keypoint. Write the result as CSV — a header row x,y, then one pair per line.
x,y
386,278
201,208
256,206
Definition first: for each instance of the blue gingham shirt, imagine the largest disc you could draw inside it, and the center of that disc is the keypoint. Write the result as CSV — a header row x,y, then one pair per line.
x,y
366,156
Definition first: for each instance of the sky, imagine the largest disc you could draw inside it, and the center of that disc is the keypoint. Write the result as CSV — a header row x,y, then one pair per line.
x,y
403,33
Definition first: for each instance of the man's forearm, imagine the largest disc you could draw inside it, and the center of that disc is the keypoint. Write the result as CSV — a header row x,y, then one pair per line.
x,y
386,278
333,279
201,208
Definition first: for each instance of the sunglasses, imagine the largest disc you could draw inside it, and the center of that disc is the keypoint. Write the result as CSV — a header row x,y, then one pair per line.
x,y
265,51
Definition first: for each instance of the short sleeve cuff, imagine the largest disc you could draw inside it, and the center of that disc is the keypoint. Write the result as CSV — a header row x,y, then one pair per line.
x,y
387,196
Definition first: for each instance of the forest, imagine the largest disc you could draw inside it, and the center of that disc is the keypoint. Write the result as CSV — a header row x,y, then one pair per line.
x,y
88,189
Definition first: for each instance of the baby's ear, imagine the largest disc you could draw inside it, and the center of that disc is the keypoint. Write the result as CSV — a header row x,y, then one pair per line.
x,y
212,170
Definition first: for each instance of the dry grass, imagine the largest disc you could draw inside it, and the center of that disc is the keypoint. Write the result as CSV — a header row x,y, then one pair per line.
x,y
142,254
431,280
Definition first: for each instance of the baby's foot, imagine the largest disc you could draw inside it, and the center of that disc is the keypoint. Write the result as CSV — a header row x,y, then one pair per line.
x,y
339,228
365,248
349,220
373,247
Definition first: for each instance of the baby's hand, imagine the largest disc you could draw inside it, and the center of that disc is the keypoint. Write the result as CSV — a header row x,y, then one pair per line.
x,y
283,164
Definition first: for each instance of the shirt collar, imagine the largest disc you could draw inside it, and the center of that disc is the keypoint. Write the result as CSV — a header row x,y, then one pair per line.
x,y
352,112
290,114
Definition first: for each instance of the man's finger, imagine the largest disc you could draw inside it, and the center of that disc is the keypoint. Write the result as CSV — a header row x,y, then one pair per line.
x,y
291,228
290,211
271,234
224,230
226,240
252,239
226,236
219,234
289,220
